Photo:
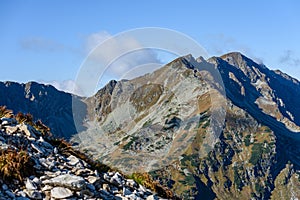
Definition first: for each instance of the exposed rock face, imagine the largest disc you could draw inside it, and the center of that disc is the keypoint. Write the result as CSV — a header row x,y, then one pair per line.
x,y
53,175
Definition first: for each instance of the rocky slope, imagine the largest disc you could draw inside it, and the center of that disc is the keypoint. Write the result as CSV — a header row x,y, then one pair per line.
x,y
33,165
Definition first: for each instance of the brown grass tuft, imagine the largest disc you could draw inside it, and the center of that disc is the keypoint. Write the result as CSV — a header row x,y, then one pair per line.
x,y
4,112
146,180
15,165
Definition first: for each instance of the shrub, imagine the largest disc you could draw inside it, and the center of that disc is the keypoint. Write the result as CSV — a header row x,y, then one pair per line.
x,y
4,112
257,151
247,140
15,165
146,180
25,118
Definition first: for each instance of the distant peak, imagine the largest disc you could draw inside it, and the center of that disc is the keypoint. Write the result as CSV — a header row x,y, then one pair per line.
x,y
235,55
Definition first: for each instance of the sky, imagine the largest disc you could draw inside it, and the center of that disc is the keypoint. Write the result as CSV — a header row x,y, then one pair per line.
x,y
48,41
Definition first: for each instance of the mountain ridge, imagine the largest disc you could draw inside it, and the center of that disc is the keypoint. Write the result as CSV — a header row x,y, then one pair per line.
x,y
226,125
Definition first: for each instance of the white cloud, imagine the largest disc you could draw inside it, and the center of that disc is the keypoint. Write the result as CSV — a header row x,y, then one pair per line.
x,y
124,53
289,58
68,86
39,44
221,44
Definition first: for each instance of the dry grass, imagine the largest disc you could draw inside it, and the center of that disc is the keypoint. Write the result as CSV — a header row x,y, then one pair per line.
x,y
15,165
146,180
4,112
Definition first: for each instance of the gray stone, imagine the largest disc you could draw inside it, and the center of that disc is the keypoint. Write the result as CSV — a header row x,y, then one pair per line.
x,y
55,150
47,188
37,148
72,160
116,179
152,197
131,183
27,129
10,194
30,185
4,187
92,179
11,129
70,181
34,194
22,198
61,193
126,191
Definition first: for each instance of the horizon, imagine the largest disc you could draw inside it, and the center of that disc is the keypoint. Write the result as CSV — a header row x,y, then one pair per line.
x,y
47,42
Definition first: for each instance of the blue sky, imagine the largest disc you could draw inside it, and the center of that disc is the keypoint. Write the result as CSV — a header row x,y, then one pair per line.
x,y
48,40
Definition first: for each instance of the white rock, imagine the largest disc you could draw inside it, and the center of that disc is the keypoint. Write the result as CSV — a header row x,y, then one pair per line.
x,y
116,179
152,197
92,179
37,148
61,193
72,160
34,194
67,180
11,129
47,188
30,185
27,129
36,180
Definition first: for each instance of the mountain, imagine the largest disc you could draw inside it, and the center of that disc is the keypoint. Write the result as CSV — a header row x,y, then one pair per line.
x,y
224,128
43,102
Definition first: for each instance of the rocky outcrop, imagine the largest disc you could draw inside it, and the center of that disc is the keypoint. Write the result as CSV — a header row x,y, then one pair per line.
x,y
49,173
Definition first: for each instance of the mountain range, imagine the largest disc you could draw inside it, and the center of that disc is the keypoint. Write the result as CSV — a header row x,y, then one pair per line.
x,y
222,128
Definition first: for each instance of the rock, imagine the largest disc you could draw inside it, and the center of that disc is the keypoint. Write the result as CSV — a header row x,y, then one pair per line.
x,y
10,194
36,180
106,187
116,179
72,160
22,198
8,121
27,129
92,179
69,181
131,183
83,172
152,197
30,185
34,194
126,191
11,129
61,193
4,187
90,187
47,188
55,151
37,148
